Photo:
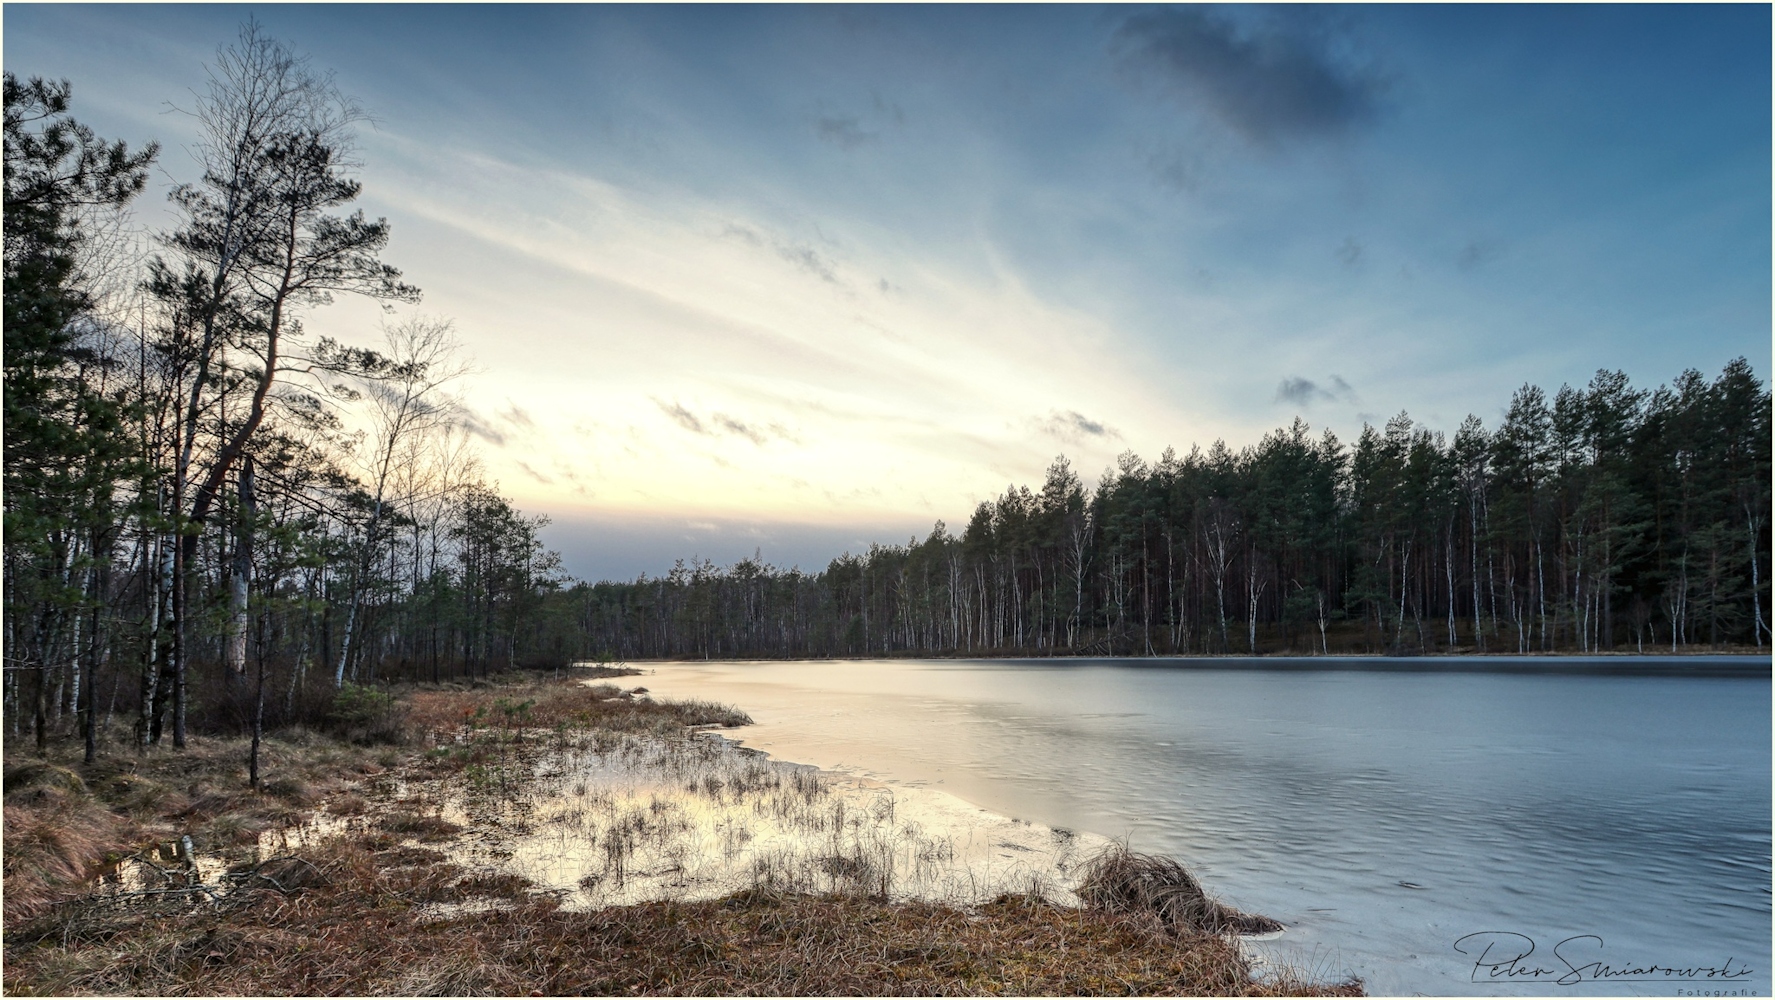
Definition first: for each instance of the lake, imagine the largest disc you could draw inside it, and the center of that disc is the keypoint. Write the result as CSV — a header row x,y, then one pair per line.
x,y
1439,826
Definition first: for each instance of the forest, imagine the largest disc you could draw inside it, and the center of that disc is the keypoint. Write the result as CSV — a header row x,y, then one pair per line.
x,y
1605,518
218,517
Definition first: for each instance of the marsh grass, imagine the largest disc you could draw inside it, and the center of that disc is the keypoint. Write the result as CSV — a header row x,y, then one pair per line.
x,y
482,853
1118,880
375,925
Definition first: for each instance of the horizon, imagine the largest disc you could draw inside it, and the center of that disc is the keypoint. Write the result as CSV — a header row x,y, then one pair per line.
x,y
797,280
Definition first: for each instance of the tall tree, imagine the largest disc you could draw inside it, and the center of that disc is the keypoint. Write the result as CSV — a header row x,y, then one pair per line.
x,y
259,242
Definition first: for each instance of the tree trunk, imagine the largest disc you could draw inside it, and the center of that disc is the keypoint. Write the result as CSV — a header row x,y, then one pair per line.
x,y
243,571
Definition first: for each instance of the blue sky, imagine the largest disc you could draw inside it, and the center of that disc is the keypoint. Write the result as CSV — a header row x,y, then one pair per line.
x,y
798,278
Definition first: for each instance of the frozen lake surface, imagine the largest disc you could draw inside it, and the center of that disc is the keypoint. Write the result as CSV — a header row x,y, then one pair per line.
x,y
1417,823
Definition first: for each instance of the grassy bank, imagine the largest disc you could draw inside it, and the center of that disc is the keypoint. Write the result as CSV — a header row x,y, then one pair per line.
x,y
101,899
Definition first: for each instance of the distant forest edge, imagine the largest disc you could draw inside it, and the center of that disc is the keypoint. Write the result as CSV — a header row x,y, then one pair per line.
x,y
1607,518
216,517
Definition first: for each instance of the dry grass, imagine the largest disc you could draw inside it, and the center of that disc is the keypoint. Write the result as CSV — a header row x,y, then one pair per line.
x,y
533,704
1121,881
369,912
372,926
66,822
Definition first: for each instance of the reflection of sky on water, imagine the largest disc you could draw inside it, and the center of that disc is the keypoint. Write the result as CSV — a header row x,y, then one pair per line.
x,y
631,820
1634,808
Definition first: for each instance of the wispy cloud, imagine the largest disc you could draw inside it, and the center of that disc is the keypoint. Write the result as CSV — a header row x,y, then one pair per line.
x,y
683,417
716,424
1073,427
472,422
802,255
738,428
1305,392
809,260
1270,83
844,132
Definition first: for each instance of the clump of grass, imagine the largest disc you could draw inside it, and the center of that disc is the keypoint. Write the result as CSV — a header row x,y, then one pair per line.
x,y
286,788
35,777
419,826
1121,881
51,849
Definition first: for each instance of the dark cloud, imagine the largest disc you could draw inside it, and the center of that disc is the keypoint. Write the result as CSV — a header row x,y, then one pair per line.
x,y
496,430
473,423
845,133
1305,392
1270,83
1074,426
1477,254
533,474
1350,253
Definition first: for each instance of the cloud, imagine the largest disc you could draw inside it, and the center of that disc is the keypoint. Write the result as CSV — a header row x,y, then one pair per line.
x,y
1073,427
1178,171
743,234
682,416
473,423
889,110
1305,392
1351,252
1477,253
845,133
533,474
809,260
733,426
1269,84
802,256
717,424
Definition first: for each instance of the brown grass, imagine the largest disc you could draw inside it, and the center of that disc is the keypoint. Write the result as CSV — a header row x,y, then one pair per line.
x,y
533,704
369,912
65,821
1121,881
371,926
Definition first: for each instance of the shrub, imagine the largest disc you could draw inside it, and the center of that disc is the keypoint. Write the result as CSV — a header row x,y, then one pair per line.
x,y
366,715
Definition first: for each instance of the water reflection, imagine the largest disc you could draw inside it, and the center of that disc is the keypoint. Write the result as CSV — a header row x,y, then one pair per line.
x,y
626,819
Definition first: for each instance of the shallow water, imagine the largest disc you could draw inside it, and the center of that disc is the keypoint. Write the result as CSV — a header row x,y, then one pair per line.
x,y
630,819
1384,816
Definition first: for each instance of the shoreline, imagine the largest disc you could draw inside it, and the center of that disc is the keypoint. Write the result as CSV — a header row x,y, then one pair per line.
x,y
240,893
1686,665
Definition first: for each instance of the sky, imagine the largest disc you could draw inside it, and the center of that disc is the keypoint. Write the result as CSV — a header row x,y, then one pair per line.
x,y
792,280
